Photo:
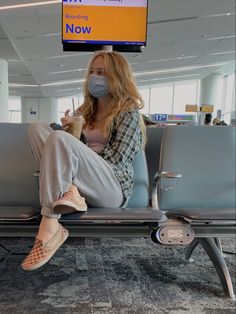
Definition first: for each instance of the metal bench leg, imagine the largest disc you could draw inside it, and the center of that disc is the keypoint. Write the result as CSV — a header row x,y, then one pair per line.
x,y
219,245
191,248
218,261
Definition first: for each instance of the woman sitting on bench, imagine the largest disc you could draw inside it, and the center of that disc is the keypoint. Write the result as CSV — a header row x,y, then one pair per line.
x,y
98,173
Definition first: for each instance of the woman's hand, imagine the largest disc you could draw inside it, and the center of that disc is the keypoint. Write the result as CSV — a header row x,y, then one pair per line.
x,y
66,120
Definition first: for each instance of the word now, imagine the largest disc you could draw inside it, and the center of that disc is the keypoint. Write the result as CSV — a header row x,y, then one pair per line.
x,y
78,29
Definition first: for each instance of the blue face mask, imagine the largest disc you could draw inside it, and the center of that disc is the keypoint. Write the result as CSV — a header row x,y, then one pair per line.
x,y
97,86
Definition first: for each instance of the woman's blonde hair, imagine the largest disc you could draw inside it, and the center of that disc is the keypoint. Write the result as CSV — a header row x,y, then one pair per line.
x,y
123,92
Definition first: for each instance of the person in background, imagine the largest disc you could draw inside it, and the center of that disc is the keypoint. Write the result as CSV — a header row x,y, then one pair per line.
x,y
207,120
233,122
223,123
217,121
98,173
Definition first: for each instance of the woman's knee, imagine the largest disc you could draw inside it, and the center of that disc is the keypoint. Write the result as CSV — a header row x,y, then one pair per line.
x,y
39,132
59,138
35,128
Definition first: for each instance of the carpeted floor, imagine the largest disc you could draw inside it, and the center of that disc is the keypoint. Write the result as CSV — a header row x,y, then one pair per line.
x,y
113,275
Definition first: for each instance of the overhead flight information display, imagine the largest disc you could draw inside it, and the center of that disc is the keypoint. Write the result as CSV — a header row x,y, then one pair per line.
x,y
106,22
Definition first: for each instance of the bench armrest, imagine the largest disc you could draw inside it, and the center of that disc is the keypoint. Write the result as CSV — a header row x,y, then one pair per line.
x,y
161,176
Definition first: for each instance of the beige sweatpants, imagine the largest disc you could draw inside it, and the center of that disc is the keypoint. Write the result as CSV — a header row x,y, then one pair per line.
x,y
63,161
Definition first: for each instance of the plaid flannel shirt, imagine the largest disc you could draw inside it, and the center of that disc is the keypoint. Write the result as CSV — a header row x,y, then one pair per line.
x,y
124,142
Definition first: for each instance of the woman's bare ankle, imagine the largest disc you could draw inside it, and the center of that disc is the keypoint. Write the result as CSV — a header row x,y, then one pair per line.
x,y
48,227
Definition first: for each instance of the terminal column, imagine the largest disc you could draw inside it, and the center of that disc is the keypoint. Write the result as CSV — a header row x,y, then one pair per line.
x,y
211,91
34,109
4,92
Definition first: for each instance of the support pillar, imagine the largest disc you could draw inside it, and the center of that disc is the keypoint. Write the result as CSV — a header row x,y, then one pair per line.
x,y
211,92
4,91
39,109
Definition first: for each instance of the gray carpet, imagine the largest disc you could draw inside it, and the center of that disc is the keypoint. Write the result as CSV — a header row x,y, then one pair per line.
x,y
113,275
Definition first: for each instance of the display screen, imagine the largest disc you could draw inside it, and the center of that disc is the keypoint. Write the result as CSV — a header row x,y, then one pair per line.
x,y
160,117
173,118
104,22
180,117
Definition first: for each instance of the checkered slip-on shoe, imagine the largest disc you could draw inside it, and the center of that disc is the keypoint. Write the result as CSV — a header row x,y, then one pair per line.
x,y
42,251
69,203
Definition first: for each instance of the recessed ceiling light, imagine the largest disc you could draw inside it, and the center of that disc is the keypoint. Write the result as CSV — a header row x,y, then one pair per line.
x,y
173,59
62,83
220,37
24,5
14,74
14,60
65,90
217,15
221,53
68,55
65,71
180,69
168,78
51,34
22,85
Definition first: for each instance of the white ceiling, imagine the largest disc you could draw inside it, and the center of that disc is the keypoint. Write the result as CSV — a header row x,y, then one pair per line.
x,y
181,34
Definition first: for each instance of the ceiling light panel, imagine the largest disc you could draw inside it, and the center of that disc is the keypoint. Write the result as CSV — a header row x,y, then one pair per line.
x,y
66,71
27,5
19,85
180,69
58,83
168,78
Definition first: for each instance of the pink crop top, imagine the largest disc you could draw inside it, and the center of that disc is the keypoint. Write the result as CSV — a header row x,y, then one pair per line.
x,y
95,140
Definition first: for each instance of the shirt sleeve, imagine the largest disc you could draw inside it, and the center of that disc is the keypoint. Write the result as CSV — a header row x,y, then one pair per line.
x,y
125,140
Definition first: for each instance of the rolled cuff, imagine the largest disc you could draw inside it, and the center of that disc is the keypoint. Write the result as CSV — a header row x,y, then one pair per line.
x,y
47,211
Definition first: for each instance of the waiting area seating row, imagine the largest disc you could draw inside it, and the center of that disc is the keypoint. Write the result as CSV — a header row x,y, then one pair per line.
x,y
190,201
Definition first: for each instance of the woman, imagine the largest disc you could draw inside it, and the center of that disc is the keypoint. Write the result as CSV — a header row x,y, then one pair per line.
x,y
99,173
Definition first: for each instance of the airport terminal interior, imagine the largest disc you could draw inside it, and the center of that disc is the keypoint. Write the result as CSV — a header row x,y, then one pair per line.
x,y
172,250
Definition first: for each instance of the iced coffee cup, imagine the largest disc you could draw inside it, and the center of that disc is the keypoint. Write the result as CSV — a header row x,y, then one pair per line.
x,y
75,126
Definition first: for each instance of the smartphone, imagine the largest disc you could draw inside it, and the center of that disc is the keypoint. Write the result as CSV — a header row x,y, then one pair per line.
x,y
56,126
